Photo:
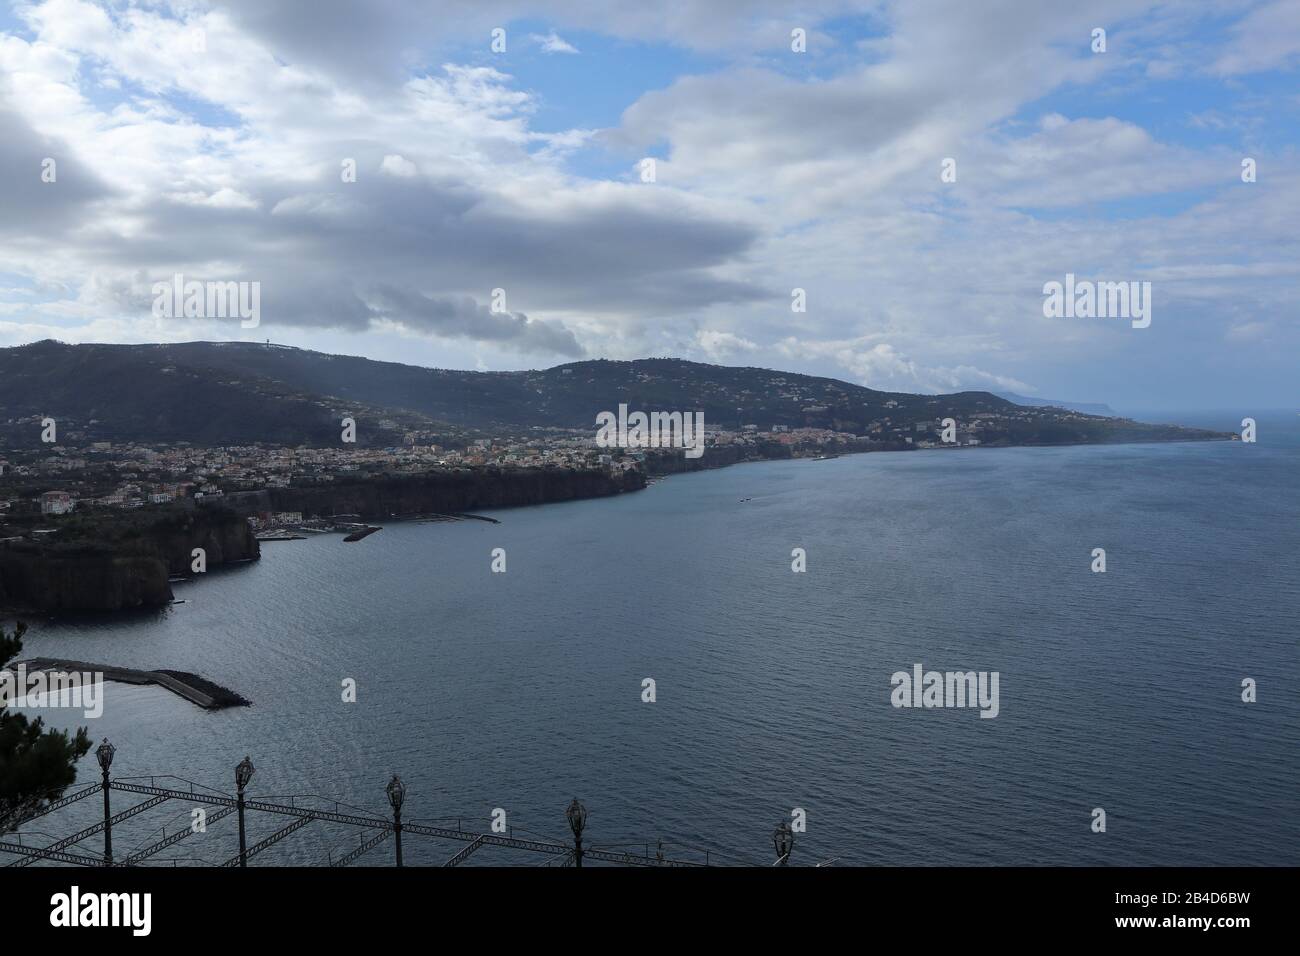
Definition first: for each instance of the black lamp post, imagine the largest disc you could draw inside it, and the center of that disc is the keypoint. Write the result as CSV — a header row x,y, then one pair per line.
x,y
104,754
243,774
577,816
783,840
396,797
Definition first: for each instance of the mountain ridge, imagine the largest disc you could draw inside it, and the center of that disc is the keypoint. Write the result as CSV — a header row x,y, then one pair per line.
x,y
1088,408
250,392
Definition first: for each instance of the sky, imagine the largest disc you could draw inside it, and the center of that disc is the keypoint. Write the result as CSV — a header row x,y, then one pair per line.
x,y
921,170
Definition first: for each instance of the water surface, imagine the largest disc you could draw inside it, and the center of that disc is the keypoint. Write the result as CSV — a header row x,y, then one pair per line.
x,y
520,690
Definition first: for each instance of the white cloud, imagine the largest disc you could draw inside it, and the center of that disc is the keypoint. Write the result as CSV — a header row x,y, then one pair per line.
x,y
1266,38
719,346
881,366
455,194
553,43
396,165
771,176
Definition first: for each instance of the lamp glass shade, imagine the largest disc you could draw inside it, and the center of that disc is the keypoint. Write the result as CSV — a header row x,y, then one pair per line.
x,y
104,754
577,815
783,840
244,773
396,792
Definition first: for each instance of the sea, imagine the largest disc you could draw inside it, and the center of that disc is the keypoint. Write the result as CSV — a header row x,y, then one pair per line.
x,y
773,689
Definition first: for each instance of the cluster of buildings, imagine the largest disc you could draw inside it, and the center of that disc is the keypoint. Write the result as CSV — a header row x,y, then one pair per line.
x,y
131,475
925,434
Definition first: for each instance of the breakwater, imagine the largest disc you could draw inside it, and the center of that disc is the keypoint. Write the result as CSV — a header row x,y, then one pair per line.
x,y
192,687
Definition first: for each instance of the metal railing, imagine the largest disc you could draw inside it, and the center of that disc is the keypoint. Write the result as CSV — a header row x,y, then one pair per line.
x,y
382,828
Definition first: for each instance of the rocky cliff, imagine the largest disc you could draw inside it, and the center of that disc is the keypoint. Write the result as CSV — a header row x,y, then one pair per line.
x,y
89,582
223,535
444,492
118,562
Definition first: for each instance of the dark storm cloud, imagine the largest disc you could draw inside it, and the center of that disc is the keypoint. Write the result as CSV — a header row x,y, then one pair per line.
x,y
432,251
465,318
30,206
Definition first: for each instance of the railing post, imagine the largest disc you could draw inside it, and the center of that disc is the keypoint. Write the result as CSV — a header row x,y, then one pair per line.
x,y
108,825
397,833
104,754
243,774
243,848
577,817
396,792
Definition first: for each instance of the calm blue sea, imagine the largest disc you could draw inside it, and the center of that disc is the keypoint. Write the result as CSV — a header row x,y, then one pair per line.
x,y
521,690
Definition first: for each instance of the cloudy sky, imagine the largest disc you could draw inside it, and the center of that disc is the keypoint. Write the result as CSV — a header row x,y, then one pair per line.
x,y
211,140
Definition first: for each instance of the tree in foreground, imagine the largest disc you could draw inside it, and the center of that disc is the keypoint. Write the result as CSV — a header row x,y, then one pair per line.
x,y
35,764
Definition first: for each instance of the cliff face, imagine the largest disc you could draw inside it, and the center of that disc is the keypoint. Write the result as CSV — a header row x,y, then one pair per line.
x,y
447,492
222,534
85,575
672,462
125,561
89,582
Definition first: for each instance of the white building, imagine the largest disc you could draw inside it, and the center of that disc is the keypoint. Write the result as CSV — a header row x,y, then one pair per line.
x,y
56,503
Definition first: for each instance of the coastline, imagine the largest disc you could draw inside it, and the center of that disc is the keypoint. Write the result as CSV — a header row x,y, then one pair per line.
x,y
263,663
697,464
113,584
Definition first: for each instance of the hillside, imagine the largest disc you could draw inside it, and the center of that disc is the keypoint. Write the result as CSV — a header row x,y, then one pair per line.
x,y
241,392
150,394
570,396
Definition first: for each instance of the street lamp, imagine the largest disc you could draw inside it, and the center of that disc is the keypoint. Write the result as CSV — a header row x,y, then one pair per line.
x,y
783,840
104,754
243,774
396,791
577,817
